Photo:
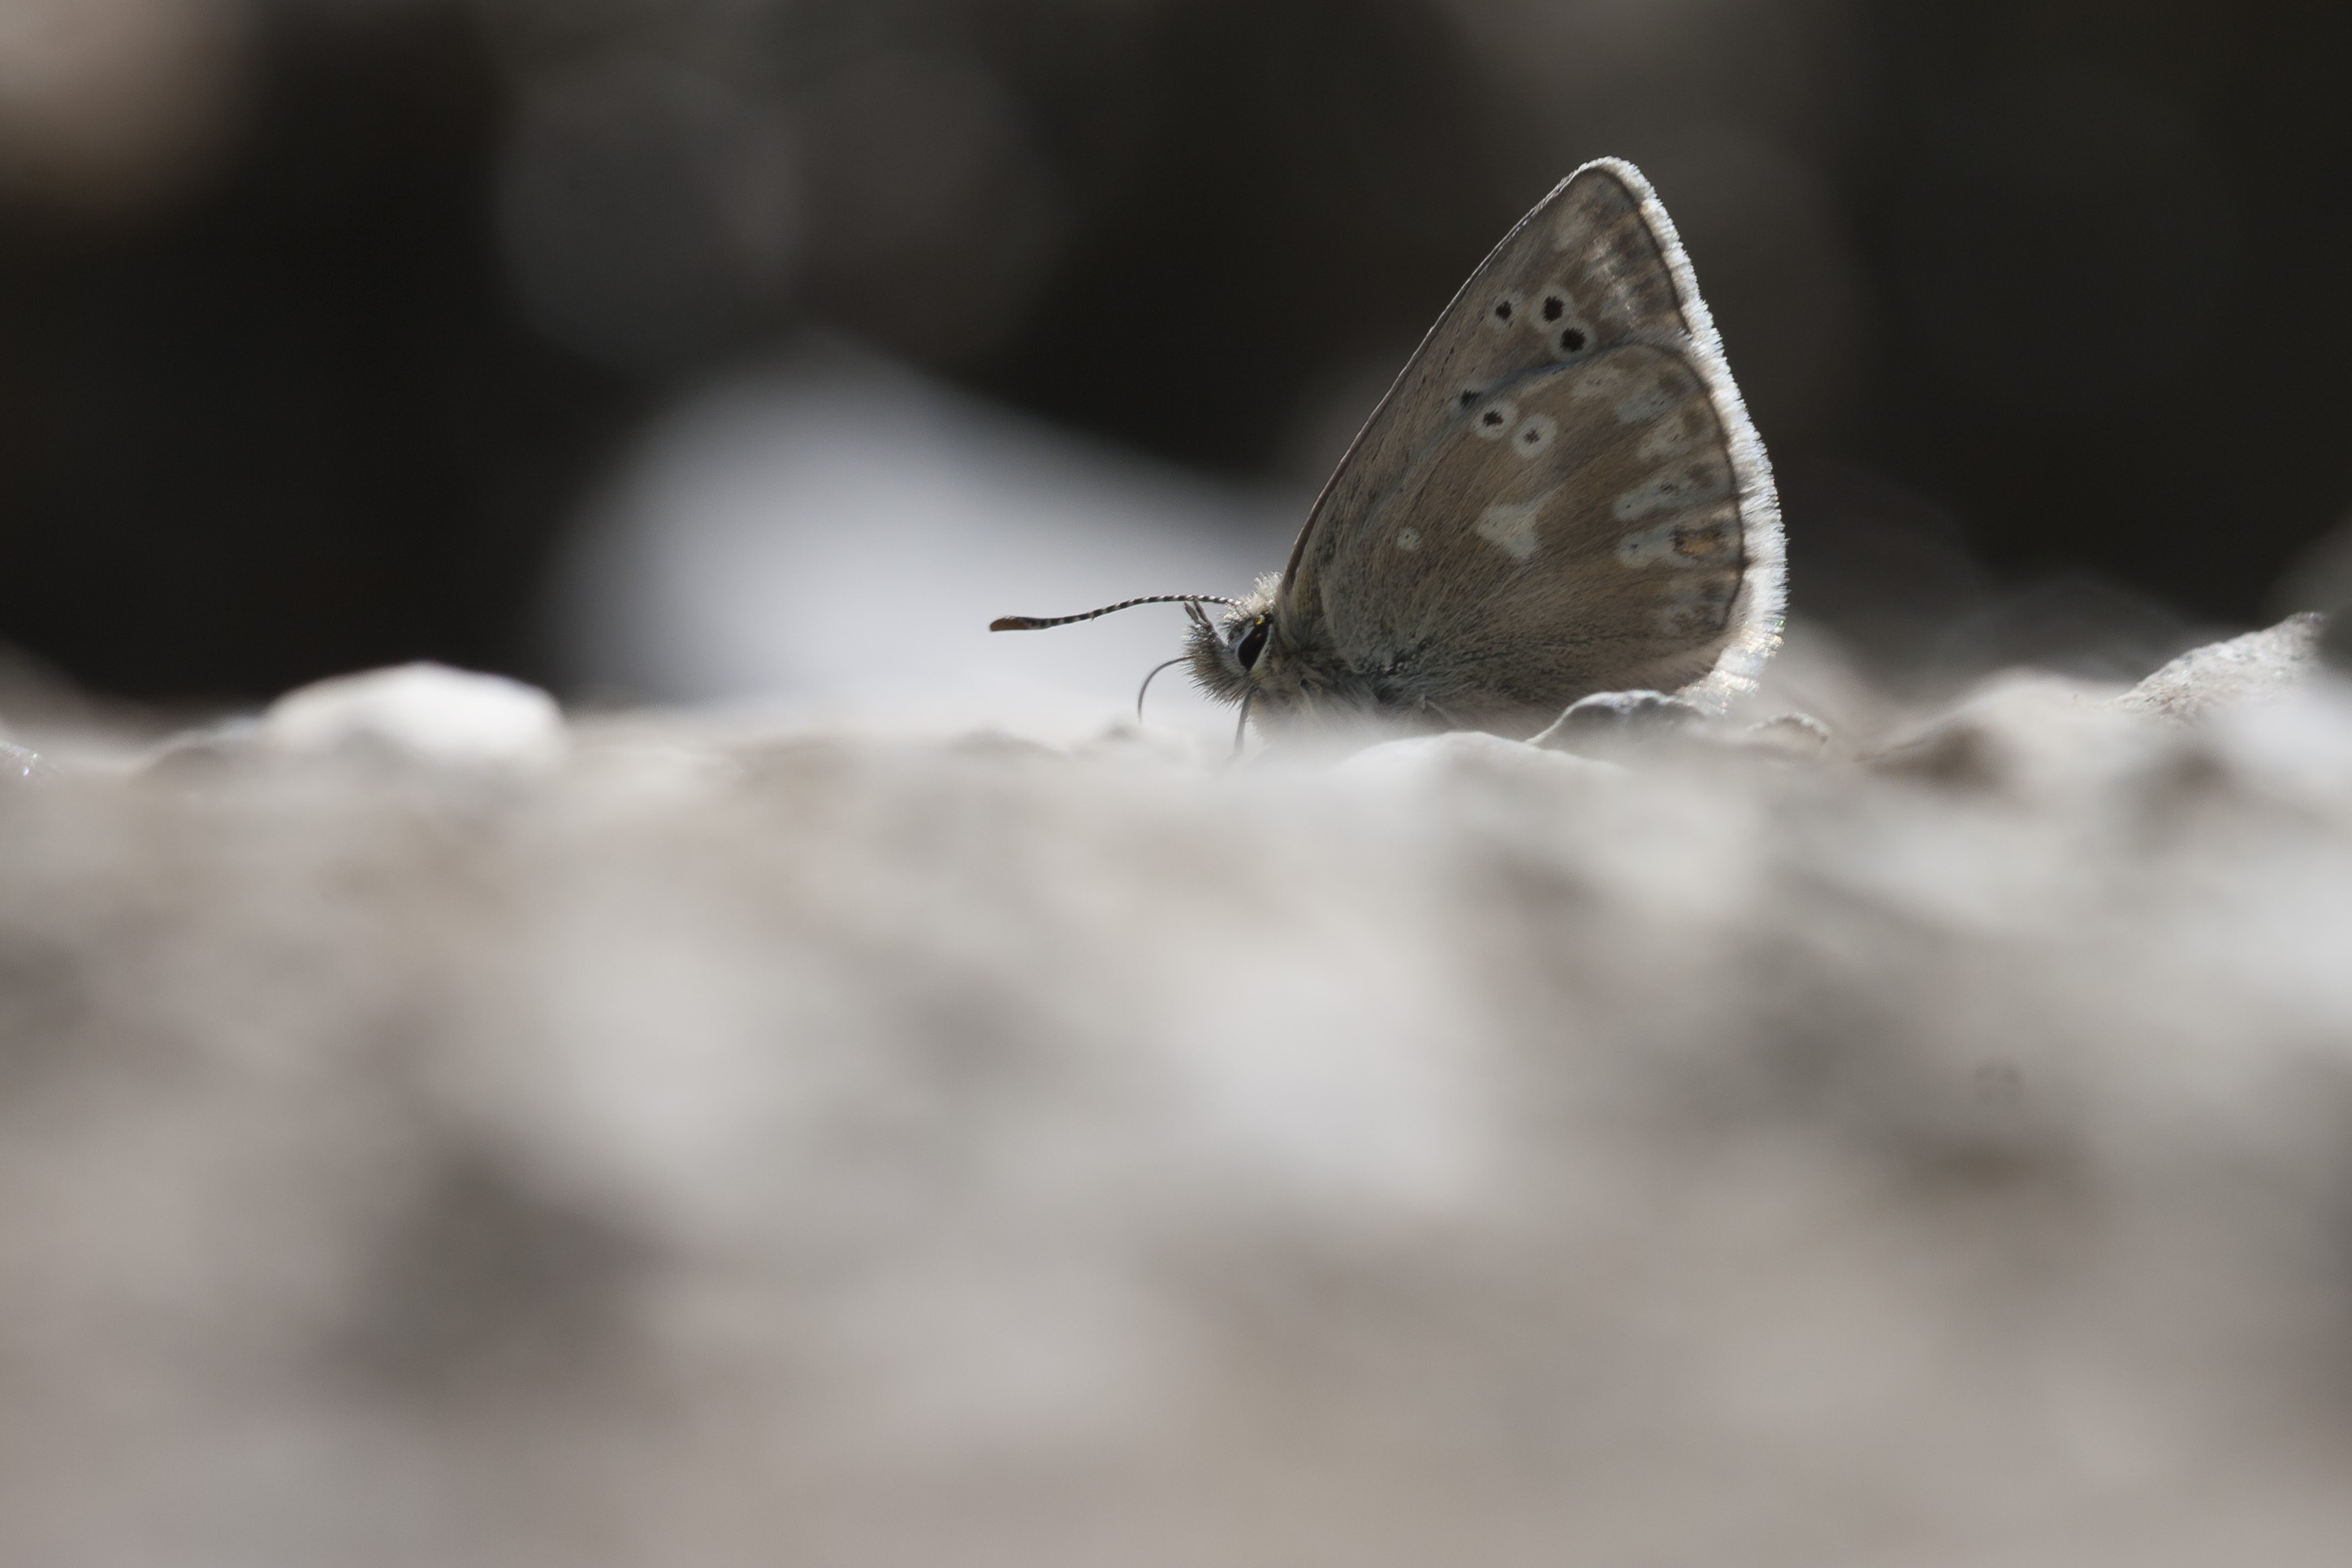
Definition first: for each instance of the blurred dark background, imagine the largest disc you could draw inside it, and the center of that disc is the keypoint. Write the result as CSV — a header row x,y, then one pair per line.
x,y
322,320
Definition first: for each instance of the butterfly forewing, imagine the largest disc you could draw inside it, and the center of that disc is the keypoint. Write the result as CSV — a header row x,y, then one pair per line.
x,y
1579,531
1501,419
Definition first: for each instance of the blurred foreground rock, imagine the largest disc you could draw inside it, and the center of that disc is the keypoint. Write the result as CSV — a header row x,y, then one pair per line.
x,y
709,1146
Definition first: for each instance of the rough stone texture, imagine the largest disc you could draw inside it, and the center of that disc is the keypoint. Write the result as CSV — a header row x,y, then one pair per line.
x,y
2242,670
710,1146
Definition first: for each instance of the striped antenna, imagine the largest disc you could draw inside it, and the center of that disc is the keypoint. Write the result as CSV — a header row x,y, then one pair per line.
x,y
1039,622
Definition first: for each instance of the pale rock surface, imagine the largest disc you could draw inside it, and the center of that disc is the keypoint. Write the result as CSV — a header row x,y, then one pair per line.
x,y
2244,670
423,710
717,1145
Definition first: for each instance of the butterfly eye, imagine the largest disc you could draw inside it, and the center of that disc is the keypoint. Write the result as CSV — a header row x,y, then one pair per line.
x,y
1252,644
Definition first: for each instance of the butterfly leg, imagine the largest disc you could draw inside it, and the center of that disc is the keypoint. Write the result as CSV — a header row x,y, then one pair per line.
x,y
1146,687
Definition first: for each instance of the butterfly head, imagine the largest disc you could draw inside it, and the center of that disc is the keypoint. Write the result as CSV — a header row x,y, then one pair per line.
x,y
1230,653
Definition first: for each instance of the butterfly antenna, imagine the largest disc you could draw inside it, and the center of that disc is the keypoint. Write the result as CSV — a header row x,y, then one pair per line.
x,y
1146,684
1039,622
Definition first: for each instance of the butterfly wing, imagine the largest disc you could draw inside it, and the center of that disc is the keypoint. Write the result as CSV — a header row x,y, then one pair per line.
x,y
1579,531
1562,494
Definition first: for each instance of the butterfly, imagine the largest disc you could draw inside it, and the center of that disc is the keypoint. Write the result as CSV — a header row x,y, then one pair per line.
x,y
1562,494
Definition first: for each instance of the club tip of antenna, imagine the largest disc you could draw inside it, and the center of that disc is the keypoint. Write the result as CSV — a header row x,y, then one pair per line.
x,y
1015,624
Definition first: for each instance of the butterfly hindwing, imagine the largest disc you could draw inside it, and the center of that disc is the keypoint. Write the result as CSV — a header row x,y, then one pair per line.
x,y
1590,286
1578,530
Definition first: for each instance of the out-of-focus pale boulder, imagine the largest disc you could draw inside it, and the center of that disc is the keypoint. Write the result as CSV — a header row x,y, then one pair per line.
x,y
423,710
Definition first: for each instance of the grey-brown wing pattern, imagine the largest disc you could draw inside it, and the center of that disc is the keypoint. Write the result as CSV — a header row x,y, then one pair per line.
x,y
1579,530
1595,268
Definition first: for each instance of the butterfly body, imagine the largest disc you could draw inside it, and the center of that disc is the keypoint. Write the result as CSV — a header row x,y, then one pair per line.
x,y
1562,494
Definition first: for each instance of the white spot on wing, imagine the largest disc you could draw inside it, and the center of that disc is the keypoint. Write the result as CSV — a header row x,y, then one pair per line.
x,y
1674,487
1533,433
1510,526
1675,434
1646,402
1408,539
1601,380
